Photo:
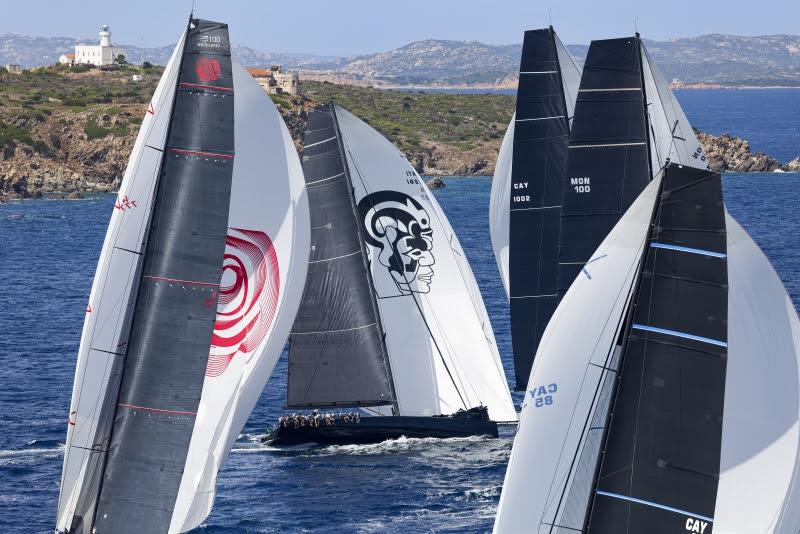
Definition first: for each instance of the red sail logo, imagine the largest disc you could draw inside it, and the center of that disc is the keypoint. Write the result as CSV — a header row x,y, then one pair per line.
x,y
207,69
248,297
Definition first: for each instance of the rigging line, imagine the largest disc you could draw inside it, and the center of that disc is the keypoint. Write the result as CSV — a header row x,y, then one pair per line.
x,y
413,296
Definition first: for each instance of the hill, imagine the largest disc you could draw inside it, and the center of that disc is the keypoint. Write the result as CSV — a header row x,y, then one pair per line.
x,y
715,58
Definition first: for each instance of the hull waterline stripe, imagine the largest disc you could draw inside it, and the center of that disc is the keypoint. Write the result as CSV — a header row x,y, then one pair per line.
x,y
154,410
211,87
680,334
337,257
198,153
654,505
179,281
608,145
320,142
540,118
679,248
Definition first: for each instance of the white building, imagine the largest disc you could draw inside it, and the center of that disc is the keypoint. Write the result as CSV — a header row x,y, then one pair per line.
x,y
101,55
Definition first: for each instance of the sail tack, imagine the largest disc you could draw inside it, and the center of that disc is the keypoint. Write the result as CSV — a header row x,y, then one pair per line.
x,y
195,308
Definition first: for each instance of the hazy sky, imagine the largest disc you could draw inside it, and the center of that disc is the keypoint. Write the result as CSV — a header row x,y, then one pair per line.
x,y
348,27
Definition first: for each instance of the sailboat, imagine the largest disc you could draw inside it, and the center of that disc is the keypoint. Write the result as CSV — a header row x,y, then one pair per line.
x,y
197,286
527,189
391,320
665,393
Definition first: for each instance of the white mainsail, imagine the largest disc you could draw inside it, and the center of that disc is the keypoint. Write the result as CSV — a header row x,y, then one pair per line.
x,y
441,344
760,456
113,291
578,343
266,260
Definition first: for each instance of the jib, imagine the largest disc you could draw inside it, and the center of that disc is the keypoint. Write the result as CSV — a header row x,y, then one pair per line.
x,y
695,525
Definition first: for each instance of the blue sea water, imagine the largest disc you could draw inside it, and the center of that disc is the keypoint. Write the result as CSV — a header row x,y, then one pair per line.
x,y
48,255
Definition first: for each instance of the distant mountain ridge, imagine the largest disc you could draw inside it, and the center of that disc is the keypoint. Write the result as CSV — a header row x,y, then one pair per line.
x,y
714,58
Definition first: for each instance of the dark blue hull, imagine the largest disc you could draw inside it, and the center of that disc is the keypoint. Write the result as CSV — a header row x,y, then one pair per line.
x,y
382,428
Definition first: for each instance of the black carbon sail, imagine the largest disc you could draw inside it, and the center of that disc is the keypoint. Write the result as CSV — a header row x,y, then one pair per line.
x,y
172,324
609,159
660,462
337,355
539,161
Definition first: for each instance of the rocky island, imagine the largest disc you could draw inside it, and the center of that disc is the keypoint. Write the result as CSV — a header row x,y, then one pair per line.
x,y
71,132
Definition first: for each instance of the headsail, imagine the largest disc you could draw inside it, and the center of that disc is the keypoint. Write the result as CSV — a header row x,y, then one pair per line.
x,y
440,341
192,348
527,191
337,356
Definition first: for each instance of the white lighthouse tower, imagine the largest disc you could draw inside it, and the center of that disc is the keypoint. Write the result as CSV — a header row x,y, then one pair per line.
x,y
99,55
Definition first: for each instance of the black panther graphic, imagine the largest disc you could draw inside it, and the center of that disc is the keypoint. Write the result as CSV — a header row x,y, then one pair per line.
x,y
399,230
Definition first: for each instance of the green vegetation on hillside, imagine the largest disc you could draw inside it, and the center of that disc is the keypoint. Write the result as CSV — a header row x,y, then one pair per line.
x,y
407,118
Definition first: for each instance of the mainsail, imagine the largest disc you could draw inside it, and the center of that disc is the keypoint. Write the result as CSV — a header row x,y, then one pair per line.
x,y
525,206
627,126
337,356
192,301
629,426
424,342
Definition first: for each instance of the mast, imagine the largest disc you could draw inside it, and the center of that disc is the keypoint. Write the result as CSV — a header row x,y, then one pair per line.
x,y
365,259
644,104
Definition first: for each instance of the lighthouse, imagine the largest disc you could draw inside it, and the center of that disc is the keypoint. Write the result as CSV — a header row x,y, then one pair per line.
x,y
100,55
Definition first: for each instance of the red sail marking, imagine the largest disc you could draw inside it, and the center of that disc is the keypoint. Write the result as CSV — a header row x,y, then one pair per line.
x,y
210,87
207,69
89,308
244,318
69,419
151,109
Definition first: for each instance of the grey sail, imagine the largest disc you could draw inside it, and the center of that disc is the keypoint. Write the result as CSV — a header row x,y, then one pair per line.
x,y
167,351
337,355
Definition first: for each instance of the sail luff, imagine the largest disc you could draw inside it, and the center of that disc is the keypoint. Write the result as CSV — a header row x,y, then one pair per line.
x,y
365,259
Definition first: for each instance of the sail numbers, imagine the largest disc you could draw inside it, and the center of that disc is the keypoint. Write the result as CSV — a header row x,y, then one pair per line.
x,y
696,525
581,185
543,395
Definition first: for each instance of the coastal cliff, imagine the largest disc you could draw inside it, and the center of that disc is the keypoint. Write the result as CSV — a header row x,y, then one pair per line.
x,y
51,145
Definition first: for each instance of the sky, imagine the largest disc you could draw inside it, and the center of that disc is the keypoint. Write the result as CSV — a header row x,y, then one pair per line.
x,y
352,27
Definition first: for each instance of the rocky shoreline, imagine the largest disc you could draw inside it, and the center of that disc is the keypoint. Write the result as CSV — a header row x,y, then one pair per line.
x,y
68,155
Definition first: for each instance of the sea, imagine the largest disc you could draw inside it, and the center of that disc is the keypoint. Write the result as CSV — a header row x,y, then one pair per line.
x,y
48,254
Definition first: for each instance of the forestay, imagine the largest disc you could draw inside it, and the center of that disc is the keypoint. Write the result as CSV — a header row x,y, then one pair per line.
x,y
441,345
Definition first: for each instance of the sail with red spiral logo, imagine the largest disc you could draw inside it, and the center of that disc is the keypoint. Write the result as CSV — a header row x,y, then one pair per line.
x,y
196,289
